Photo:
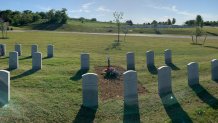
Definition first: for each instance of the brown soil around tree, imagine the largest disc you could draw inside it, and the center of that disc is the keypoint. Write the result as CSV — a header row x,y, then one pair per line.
x,y
113,88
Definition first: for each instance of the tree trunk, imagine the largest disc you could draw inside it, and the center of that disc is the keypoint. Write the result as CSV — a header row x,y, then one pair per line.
x,y
196,39
118,33
6,32
205,39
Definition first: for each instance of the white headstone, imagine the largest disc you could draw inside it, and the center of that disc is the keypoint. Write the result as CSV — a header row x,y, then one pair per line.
x,y
130,58
37,61
50,51
13,60
4,87
214,70
130,88
34,49
193,74
150,58
90,89
164,80
2,49
18,49
84,61
168,56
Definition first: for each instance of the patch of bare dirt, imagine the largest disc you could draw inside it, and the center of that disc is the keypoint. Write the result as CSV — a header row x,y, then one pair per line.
x,y
113,88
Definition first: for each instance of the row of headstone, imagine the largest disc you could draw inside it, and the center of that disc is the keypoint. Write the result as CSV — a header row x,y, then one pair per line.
x,y
34,48
36,60
164,76
130,59
90,89
150,57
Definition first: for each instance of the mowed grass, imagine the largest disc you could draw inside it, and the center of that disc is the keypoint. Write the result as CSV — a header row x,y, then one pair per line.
x,y
102,27
50,95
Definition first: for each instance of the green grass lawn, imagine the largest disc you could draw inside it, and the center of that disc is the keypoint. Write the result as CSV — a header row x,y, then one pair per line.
x,y
100,27
50,95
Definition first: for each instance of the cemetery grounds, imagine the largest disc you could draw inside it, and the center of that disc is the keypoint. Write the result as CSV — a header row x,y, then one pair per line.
x,y
54,93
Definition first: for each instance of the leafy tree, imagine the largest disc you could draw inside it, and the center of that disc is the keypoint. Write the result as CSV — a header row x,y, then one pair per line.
x,y
36,17
43,15
190,22
82,19
129,22
6,15
64,15
199,21
169,22
154,23
94,19
16,18
173,21
118,16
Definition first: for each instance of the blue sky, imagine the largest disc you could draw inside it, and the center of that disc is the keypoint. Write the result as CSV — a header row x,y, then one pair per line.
x,y
139,11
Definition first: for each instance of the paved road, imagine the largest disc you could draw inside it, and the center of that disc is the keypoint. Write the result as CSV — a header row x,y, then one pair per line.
x,y
142,35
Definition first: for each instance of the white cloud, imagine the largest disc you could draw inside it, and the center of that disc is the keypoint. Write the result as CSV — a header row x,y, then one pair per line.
x,y
174,9
43,8
84,8
87,5
102,9
184,14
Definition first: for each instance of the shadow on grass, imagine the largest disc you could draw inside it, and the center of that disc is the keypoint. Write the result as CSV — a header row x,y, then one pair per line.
x,y
26,73
215,81
131,114
10,69
205,96
213,47
173,66
46,57
85,115
152,69
46,26
1,105
79,74
174,109
4,37
196,44
28,57
213,34
4,57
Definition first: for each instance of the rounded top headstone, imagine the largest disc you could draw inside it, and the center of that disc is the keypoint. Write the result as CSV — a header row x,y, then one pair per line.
x,y
129,72
163,68
4,71
192,63
14,52
214,60
130,53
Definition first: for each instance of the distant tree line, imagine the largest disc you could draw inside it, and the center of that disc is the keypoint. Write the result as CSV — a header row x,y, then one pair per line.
x,y
82,19
168,22
17,18
206,23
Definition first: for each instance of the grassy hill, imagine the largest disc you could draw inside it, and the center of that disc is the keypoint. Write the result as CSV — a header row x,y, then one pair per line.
x,y
51,95
90,26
